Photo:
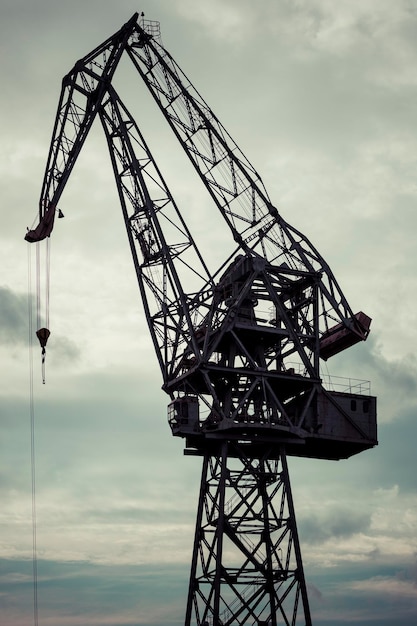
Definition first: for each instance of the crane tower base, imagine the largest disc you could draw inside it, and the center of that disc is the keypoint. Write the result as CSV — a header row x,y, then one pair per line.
x,y
246,565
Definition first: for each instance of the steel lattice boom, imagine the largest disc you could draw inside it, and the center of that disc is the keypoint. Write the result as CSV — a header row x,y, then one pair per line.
x,y
239,345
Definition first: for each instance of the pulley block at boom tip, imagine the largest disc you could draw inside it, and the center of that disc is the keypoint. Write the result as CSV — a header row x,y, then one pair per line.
x,y
45,226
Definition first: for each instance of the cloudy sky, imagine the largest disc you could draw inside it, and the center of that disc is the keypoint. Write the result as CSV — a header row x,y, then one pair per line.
x,y
321,97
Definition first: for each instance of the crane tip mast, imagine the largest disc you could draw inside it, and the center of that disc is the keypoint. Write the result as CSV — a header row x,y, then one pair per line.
x,y
239,345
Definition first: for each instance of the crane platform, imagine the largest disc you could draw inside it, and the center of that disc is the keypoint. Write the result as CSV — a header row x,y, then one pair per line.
x,y
336,425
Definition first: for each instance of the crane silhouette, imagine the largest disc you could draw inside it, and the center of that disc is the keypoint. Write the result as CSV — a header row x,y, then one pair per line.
x,y
239,345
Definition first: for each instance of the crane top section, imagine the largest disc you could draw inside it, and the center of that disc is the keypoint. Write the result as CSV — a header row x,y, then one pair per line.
x,y
232,182
228,335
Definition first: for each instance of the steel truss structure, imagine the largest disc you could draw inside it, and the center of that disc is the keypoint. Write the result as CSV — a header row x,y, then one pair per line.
x,y
246,565
239,345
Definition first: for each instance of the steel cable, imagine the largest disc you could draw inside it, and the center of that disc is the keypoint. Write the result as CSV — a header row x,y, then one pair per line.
x,y
32,434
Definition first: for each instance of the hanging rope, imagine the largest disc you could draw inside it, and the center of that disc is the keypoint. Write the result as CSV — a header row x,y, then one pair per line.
x,y
32,444
47,280
43,329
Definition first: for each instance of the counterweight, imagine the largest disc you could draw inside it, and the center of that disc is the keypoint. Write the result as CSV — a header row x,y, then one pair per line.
x,y
239,346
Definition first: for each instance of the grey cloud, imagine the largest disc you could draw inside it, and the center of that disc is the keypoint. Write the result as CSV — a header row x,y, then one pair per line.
x,y
374,554
394,462
314,592
14,327
62,350
84,594
409,574
138,513
335,524
398,374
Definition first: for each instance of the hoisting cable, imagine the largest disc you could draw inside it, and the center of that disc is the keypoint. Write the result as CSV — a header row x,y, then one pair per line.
x,y
43,331
32,441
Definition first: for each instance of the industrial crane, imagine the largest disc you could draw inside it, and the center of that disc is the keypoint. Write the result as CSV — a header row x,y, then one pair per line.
x,y
239,345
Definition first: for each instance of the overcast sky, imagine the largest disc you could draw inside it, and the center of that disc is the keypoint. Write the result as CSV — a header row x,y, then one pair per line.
x,y
321,97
